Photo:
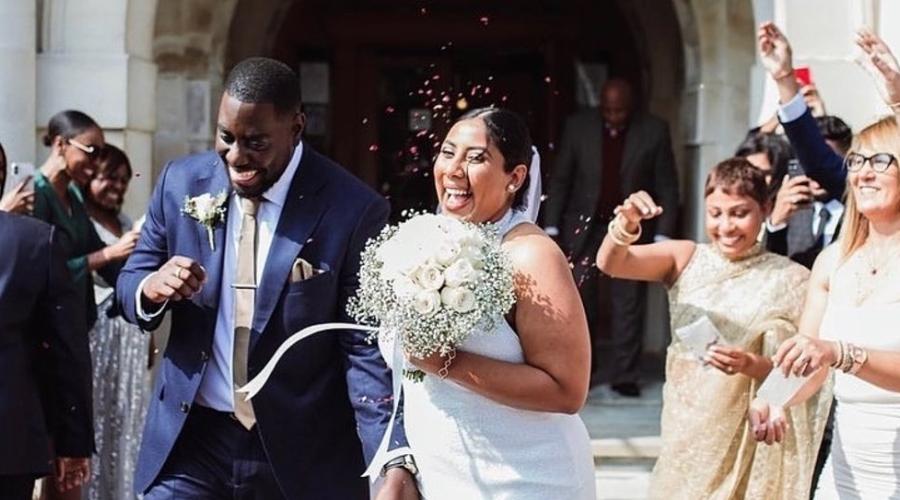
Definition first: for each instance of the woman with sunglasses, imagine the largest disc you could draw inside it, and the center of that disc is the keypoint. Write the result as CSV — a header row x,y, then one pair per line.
x,y
849,324
75,141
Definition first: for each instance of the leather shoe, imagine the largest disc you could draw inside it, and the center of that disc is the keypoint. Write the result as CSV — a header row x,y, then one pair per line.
x,y
627,389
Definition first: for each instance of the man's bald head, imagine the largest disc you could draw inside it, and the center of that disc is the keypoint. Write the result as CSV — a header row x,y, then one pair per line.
x,y
616,99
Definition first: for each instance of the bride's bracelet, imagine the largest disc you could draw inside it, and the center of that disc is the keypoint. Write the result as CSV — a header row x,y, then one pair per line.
x,y
619,234
445,370
858,357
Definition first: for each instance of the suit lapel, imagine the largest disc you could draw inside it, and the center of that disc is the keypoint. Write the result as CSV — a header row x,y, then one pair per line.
x,y
213,181
299,217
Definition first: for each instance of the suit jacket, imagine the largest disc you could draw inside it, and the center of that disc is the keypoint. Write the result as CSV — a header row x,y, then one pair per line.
x,y
45,362
647,164
819,161
796,241
323,412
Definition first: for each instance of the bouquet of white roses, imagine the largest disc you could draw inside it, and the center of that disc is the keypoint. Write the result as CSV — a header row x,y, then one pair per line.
x,y
431,281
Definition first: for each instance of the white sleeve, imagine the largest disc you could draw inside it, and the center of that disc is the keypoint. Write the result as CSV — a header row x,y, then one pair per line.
x,y
792,109
137,301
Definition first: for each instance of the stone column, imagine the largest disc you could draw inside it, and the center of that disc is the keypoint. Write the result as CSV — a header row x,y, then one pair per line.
x,y
98,58
17,78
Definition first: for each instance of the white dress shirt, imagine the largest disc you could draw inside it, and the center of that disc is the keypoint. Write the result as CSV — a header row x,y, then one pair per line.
x,y
216,387
836,209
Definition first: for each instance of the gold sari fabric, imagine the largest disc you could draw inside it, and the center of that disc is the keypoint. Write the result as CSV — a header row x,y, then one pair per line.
x,y
708,450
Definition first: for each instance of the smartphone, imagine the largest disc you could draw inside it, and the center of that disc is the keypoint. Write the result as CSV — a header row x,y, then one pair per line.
x,y
794,168
17,173
803,75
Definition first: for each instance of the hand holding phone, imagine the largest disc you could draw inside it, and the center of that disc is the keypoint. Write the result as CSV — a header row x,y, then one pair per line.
x,y
18,192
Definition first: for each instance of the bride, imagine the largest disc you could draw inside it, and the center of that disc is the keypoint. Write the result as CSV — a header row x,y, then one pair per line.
x,y
498,420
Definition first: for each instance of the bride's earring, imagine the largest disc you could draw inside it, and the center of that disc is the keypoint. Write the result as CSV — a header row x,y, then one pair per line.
x,y
511,188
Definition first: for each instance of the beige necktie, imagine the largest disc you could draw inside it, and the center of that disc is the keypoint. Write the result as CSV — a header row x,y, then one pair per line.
x,y
244,300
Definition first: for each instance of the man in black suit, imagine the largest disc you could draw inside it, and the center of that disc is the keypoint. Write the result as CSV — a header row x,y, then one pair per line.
x,y
45,363
603,158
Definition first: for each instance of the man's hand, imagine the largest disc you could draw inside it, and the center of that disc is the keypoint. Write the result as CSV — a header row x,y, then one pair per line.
x,y
72,472
398,485
18,201
179,278
881,65
795,193
813,99
775,51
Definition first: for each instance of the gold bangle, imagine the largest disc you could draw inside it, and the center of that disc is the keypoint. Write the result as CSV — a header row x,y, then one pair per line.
x,y
618,233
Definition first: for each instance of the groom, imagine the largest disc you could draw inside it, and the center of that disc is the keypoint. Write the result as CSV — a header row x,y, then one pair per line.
x,y
283,254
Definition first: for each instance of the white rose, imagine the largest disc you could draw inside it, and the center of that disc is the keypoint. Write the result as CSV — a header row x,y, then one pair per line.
x,y
405,288
474,255
447,253
459,272
461,300
427,303
429,277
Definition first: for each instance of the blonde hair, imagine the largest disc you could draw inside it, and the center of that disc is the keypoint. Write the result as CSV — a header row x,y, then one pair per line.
x,y
882,136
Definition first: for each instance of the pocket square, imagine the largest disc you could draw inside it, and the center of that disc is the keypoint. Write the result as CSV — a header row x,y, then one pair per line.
x,y
302,270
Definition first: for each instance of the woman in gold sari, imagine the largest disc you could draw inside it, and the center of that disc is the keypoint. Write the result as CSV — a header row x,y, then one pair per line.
x,y
753,301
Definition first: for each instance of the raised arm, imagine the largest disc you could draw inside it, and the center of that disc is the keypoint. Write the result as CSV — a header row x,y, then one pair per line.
x,y
882,66
551,326
818,159
660,262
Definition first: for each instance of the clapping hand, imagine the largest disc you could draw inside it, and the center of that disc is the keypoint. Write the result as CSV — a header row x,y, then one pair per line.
x,y
881,65
18,201
767,422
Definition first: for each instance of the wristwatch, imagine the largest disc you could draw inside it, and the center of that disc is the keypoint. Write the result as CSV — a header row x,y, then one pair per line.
x,y
405,461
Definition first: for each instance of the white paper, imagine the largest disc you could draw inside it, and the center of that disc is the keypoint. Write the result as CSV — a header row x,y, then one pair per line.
x,y
698,336
778,389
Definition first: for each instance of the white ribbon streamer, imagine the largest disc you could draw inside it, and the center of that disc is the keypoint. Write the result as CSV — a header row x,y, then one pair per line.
x,y
382,456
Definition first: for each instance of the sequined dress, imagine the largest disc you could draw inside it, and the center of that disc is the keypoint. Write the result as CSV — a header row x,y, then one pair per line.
x,y
470,447
708,450
119,351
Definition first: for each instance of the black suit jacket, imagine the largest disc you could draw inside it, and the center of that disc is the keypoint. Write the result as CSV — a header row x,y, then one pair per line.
x,y
45,363
575,183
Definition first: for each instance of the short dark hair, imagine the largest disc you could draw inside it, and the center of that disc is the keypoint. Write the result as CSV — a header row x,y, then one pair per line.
x,y
110,159
776,148
264,80
835,129
67,124
737,176
508,131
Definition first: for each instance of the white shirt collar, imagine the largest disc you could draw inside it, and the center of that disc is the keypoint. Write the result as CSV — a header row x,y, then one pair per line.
x,y
833,206
278,192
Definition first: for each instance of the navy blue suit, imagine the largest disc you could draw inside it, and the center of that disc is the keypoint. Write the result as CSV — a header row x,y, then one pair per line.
x,y
45,363
323,412
819,161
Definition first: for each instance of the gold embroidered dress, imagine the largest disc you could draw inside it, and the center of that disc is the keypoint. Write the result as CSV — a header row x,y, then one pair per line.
x,y
708,450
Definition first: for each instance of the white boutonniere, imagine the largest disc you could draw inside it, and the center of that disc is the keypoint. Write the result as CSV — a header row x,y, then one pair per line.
x,y
208,210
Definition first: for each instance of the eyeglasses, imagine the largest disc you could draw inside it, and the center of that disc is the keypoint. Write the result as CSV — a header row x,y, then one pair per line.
x,y
91,151
878,161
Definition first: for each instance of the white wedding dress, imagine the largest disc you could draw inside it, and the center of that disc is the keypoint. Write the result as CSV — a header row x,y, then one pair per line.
x,y
469,447
864,462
